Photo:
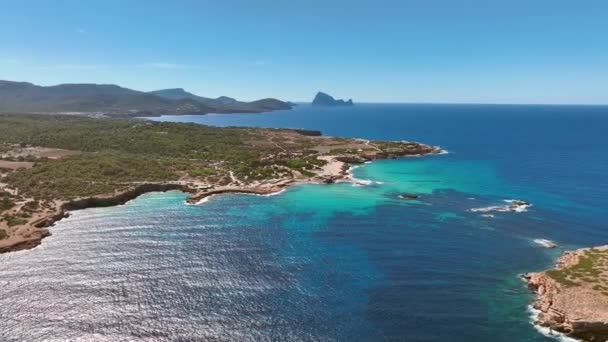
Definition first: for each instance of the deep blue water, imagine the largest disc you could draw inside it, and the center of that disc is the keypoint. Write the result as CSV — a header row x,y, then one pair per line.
x,y
333,262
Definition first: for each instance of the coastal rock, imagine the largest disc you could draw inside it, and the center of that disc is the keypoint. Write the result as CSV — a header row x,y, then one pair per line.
x,y
409,196
572,298
513,206
323,99
254,190
30,242
352,159
122,197
329,180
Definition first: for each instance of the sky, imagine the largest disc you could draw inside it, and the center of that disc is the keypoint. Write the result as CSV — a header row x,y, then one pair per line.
x,y
454,51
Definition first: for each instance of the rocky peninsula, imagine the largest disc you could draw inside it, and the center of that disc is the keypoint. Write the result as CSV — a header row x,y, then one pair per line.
x,y
74,162
572,298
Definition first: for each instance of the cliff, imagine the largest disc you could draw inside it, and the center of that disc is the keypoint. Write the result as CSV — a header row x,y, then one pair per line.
x,y
573,297
323,99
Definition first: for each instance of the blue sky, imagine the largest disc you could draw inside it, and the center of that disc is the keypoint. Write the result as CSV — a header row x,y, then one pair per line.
x,y
474,51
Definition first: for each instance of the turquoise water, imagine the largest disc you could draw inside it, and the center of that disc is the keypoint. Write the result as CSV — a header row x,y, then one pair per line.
x,y
332,262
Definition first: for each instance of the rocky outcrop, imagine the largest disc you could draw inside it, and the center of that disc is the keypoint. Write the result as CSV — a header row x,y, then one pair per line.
x,y
326,100
122,197
264,189
352,159
512,206
572,298
28,242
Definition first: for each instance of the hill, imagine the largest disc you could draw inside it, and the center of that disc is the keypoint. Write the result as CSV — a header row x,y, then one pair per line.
x,y
224,104
113,100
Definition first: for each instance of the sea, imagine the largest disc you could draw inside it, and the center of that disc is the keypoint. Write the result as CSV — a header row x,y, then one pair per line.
x,y
338,262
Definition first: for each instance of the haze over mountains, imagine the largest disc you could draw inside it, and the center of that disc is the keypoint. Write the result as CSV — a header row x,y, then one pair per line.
x,y
110,99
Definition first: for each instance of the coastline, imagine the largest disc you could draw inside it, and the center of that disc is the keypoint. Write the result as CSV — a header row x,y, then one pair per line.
x,y
37,228
571,298
337,170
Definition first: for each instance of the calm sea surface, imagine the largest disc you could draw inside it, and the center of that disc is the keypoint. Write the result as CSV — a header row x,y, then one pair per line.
x,y
332,262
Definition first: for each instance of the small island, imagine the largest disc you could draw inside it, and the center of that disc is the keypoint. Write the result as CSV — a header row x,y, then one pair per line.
x,y
323,99
53,164
572,298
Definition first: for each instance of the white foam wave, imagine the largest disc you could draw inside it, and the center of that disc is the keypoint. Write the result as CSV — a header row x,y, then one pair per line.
x,y
204,200
544,243
514,205
363,181
271,194
518,205
544,330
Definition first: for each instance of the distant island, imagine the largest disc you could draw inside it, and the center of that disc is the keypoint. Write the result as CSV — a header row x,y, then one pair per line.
x,y
326,100
113,100
572,298
53,164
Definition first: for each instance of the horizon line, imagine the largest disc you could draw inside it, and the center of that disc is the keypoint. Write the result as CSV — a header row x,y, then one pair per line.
x,y
465,103
356,102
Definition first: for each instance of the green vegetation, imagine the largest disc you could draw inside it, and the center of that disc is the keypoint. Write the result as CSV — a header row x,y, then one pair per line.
x,y
73,156
202,172
119,152
14,220
6,203
342,151
388,144
384,144
87,174
589,269
305,163
174,140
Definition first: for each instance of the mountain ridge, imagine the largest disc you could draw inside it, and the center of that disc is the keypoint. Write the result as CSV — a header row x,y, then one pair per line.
x,y
114,100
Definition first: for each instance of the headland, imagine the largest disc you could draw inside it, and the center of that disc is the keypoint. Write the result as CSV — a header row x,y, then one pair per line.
x,y
77,162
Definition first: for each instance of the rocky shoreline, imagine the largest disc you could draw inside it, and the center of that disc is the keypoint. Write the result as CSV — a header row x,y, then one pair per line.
x,y
572,298
336,170
39,225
